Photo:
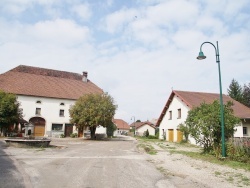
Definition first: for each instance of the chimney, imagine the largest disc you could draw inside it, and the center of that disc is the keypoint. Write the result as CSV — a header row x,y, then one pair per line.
x,y
84,76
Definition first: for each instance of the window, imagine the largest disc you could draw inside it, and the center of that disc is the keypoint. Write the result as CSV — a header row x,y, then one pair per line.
x,y
244,130
57,127
179,114
170,114
38,102
38,111
61,104
61,113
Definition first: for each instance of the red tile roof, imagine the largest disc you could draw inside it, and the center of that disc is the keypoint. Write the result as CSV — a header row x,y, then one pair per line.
x,y
140,124
120,124
194,99
34,81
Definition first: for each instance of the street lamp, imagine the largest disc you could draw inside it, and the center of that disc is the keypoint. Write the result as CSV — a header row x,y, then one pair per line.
x,y
134,123
201,57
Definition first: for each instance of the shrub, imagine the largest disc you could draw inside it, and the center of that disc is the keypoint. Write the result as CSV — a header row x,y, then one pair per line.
x,y
73,135
147,133
152,137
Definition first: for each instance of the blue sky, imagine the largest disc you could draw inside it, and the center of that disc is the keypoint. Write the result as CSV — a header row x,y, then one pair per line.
x,y
136,50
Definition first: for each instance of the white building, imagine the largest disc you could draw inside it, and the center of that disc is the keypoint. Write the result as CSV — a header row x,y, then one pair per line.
x,y
142,127
122,127
45,96
180,102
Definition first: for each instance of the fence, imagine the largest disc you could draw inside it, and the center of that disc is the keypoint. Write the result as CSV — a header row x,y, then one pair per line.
x,y
242,142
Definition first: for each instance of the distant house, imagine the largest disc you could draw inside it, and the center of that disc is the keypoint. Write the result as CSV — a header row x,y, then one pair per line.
x,y
179,103
45,96
122,127
142,127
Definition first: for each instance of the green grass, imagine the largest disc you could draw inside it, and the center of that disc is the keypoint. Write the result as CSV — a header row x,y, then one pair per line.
x,y
213,159
196,155
148,148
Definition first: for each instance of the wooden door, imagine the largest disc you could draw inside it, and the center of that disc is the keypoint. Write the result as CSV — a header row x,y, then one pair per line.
x,y
68,130
179,136
170,135
80,132
39,130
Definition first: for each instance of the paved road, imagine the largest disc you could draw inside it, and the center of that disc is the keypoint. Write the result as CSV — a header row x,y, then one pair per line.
x,y
10,171
85,164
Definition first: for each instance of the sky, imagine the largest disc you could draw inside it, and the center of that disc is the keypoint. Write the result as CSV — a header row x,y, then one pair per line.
x,y
136,50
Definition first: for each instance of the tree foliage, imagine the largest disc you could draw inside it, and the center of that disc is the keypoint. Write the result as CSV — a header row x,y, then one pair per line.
x,y
10,112
204,124
92,110
239,93
235,91
111,127
246,95
185,130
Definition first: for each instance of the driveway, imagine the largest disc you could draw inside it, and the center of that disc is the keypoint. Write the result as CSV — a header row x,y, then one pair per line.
x,y
117,163
84,163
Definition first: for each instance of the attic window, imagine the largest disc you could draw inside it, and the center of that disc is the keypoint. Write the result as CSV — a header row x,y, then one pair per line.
x,y
38,102
62,104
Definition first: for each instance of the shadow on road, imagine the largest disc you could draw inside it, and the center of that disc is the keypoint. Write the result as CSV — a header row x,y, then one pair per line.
x,y
10,175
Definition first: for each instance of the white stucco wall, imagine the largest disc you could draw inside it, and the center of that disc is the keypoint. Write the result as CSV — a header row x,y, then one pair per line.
x,y
120,132
239,129
167,123
144,128
50,109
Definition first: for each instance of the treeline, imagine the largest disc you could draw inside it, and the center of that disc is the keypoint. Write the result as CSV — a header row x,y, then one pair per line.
x,y
239,93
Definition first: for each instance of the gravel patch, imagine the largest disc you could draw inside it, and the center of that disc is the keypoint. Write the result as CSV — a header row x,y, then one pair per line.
x,y
183,171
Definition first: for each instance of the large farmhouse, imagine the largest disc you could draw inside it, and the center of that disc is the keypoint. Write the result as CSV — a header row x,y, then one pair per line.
x,y
179,103
45,96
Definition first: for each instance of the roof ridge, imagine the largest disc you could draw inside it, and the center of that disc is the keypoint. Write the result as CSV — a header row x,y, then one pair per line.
x,y
199,92
46,72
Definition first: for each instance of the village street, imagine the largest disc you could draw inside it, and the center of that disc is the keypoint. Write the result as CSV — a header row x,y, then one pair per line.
x,y
112,164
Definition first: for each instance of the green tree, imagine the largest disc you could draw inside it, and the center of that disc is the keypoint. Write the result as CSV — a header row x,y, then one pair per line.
x,y
204,124
111,127
235,91
246,95
185,130
92,110
147,133
10,112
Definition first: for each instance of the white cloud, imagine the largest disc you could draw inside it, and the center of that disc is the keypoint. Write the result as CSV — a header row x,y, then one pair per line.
x,y
82,10
59,31
116,21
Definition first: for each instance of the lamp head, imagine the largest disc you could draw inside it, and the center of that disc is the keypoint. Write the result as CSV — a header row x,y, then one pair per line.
x,y
201,56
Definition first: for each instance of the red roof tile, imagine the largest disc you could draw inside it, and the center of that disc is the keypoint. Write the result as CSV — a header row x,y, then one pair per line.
x,y
33,81
140,124
120,124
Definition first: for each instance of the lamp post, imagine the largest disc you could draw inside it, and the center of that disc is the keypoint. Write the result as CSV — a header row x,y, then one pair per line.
x,y
134,123
201,57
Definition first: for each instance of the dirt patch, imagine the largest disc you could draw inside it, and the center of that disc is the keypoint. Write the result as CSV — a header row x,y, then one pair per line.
x,y
188,172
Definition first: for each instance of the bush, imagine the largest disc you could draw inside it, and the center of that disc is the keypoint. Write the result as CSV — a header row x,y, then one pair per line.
x,y
152,137
237,153
62,135
73,135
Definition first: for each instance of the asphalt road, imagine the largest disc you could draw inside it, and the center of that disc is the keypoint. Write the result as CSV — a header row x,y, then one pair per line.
x,y
78,163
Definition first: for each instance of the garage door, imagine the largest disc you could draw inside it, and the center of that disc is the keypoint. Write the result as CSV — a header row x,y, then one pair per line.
x,y
39,130
179,136
170,135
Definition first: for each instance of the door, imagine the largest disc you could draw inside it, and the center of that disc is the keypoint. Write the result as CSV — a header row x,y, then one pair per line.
x,y
39,130
80,132
39,126
68,129
179,136
170,135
